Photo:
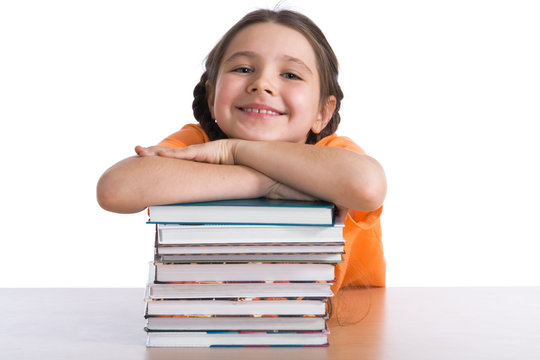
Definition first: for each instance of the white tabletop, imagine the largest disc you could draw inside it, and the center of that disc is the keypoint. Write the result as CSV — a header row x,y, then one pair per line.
x,y
401,323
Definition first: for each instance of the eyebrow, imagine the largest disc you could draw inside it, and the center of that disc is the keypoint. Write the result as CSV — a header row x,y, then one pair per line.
x,y
298,62
251,54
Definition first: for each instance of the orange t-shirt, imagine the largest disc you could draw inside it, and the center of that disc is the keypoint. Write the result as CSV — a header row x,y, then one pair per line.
x,y
364,263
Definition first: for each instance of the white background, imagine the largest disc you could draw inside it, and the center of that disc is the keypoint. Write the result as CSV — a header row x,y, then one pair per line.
x,y
445,94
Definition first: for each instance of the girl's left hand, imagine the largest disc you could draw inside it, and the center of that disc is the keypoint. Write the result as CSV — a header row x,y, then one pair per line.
x,y
342,212
149,151
214,152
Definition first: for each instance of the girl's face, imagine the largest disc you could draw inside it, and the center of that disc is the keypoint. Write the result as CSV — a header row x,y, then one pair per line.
x,y
268,86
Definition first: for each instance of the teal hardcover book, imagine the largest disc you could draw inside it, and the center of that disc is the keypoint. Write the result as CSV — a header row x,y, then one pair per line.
x,y
246,211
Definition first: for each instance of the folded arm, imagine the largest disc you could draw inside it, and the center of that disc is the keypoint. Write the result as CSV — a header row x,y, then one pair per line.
x,y
341,176
346,178
137,182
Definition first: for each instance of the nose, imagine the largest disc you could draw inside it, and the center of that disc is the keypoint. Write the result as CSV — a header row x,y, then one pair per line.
x,y
261,84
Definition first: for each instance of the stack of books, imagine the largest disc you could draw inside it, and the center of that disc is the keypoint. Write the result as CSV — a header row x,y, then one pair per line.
x,y
253,272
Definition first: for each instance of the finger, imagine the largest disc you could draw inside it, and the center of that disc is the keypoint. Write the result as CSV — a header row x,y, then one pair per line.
x,y
149,151
178,153
141,151
342,213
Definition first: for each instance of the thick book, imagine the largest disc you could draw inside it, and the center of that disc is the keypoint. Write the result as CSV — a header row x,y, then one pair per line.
x,y
231,323
234,290
242,306
234,338
178,234
242,272
248,211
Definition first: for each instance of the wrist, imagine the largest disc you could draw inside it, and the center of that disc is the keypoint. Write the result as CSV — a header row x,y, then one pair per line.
x,y
237,146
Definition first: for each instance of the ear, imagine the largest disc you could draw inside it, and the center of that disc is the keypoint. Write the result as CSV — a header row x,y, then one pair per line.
x,y
210,95
325,114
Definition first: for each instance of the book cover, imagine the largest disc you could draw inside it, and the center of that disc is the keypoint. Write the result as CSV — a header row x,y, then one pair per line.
x,y
237,290
246,249
216,289
244,306
235,323
178,234
242,258
235,338
248,211
172,272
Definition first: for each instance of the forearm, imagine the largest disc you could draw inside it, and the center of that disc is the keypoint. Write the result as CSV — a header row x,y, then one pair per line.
x,y
137,182
341,176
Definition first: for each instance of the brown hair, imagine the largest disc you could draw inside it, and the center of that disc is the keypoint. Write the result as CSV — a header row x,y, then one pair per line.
x,y
326,62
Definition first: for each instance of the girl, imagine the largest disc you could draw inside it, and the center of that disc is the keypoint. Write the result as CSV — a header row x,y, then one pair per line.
x,y
268,108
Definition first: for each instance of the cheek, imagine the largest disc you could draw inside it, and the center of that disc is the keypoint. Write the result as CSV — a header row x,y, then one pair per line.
x,y
302,102
226,92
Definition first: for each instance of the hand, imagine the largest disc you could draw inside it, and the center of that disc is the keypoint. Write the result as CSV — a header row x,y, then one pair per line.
x,y
280,191
342,212
150,151
213,152
276,190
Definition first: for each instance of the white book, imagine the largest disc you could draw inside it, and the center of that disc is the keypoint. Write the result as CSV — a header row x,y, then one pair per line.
x,y
290,323
212,339
243,234
241,249
235,307
170,272
319,258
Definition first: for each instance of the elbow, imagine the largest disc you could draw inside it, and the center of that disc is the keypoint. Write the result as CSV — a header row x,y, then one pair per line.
x,y
369,189
371,196
112,195
106,194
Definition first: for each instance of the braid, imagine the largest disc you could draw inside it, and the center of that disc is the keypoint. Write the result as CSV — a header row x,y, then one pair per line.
x,y
202,112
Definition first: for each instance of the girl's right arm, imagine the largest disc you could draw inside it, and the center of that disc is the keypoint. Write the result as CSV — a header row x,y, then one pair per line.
x,y
137,182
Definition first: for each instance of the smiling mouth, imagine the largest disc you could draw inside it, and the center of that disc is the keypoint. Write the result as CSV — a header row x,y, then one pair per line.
x,y
260,111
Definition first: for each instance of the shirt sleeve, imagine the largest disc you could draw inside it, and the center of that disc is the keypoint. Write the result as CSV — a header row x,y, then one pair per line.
x,y
189,134
342,142
361,219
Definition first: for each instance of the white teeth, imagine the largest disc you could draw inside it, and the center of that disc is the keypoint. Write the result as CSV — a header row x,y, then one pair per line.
x,y
261,111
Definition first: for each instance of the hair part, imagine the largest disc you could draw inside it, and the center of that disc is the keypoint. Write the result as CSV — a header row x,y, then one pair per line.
x,y
327,66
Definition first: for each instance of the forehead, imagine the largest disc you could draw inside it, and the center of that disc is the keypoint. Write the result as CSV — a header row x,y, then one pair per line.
x,y
272,40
